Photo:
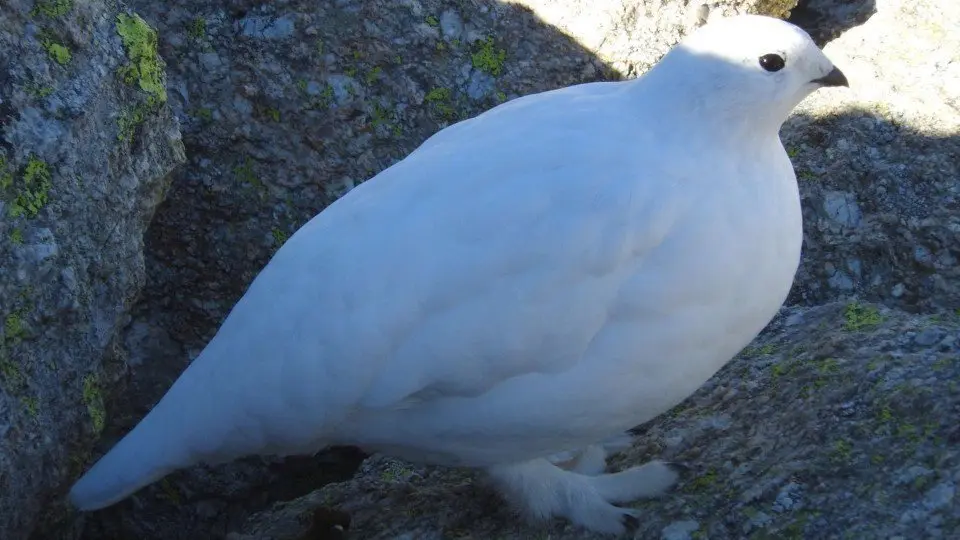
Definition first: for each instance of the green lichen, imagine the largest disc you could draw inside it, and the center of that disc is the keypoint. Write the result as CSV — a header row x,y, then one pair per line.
x,y
842,450
52,8
32,192
16,237
245,173
58,52
204,113
373,75
432,21
8,370
395,473
273,114
762,350
93,399
859,317
31,405
197,28
13,328
144,69
784,367
703,481
130,119
279,237
489,59
38,91
439,98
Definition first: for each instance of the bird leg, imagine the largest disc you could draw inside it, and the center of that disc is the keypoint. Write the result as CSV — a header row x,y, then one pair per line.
x,y
544,490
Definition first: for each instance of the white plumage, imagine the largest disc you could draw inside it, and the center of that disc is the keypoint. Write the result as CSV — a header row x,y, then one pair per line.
x,y
529,282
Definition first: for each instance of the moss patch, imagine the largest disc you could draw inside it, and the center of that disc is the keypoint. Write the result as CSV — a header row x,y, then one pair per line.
x,y
489,59
440,99
30,194
59,53
52,8
860,317
93,399
144,69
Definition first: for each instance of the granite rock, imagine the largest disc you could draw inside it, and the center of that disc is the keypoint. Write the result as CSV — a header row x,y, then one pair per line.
x,y
86,146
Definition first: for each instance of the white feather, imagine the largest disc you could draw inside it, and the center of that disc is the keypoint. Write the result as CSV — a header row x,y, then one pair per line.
x,y
527,282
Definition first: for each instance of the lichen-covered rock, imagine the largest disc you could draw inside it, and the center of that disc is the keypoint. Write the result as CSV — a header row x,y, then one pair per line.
x,y
838,422
85,145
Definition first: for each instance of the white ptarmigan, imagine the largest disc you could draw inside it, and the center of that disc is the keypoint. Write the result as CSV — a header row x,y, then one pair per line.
x,y
528,282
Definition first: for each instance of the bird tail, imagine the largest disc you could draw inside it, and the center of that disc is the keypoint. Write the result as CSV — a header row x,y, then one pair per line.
x,y
142,457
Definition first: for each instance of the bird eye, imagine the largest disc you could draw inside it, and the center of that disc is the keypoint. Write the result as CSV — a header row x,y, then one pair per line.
x,y
772,62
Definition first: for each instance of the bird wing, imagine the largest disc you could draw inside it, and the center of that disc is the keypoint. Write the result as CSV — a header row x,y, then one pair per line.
x,y
494,250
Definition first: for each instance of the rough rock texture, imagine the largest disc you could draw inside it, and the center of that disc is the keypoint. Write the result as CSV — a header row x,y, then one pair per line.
x,y
825,20
286,105
79,182
838,422
878,165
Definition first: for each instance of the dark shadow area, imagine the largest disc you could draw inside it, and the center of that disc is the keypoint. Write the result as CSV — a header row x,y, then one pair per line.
x,y
275,127
825,20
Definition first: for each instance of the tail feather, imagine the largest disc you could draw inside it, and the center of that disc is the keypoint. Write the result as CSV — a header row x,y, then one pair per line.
x,y
139,459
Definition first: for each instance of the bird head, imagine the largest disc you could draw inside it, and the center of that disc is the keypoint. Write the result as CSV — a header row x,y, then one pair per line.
x,y
758,68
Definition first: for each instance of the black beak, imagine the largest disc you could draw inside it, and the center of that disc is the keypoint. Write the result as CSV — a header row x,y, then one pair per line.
x,y
834,78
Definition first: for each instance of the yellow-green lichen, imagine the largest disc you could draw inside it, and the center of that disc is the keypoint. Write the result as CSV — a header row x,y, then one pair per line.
x,y
10,371
859,317
6,177
273,114
842,449
39,92
489,59
32,192
245,173
52,8
432,21
93,399
439,98
279,237
204,113
13,328
31,405
130,119
703,481
144,69
373,74
58,52
16,237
